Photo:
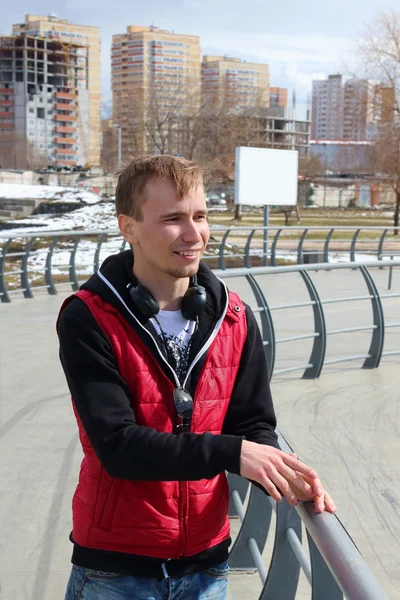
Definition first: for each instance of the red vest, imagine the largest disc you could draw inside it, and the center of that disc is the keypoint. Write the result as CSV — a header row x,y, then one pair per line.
x,y
164,519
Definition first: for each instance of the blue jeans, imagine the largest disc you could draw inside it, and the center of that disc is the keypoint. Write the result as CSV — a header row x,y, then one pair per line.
x,y
87,584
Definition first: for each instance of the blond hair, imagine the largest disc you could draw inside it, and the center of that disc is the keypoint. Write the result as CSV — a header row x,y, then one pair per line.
x,y
129,198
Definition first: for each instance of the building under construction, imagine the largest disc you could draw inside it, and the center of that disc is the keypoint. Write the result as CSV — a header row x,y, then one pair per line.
x,y
44,91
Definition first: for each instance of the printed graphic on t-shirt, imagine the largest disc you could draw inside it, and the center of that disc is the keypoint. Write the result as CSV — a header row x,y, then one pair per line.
x,y
175,334
178,354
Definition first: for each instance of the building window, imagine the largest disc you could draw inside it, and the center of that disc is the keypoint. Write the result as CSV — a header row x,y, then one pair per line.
x,y
31,110
40,113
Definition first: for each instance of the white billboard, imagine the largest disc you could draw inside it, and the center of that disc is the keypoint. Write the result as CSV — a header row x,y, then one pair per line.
x,y
264,176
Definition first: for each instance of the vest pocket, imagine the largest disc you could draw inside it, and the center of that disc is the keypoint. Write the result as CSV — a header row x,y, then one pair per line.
x,y
107,515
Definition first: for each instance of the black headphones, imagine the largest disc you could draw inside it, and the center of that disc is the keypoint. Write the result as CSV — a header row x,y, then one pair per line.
x,y
193,302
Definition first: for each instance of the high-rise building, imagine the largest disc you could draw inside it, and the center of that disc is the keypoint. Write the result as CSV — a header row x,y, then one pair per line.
x,y
155,80
234,83
50,89
366,106
327,108
353,111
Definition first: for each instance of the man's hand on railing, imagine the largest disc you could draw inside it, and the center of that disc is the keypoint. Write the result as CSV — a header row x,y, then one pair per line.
x,y
303,490
283,474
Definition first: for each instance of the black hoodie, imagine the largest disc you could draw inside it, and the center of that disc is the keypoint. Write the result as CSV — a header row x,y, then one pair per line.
x,y
103,403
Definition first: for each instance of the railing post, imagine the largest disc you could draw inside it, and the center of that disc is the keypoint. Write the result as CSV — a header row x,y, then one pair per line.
x,y
241,486
284,570
255,526
353,246
25,285
4,297
390,275
319,346
380,245
300,259
273,248
268,332
378,333
72,266
247,263
221,258
96,262
326,245
48,276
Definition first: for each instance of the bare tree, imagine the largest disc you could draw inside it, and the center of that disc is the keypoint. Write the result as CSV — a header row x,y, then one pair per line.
x,y
378,52
16,152
386,160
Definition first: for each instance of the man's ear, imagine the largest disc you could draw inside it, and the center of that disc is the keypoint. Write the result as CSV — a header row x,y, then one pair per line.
x,y
127,227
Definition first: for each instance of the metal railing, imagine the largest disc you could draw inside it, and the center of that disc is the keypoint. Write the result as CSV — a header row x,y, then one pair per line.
x,y
249,243
319,336
335,567
47,260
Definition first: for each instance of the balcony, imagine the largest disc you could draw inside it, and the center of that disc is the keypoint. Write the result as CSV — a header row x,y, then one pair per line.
x,y
6,90
6,125
70,118
64,96
65,151
60,162
7,115
6,102
65,140
61,129
71,107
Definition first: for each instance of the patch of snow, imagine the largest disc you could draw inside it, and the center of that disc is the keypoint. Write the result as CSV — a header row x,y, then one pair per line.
x,y
97,216
55,193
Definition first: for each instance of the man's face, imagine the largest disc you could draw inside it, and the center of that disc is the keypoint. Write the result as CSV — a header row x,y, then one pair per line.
x,y
173,234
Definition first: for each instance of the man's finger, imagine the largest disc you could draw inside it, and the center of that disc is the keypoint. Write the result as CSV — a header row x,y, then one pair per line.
x,y
299,466
271,489
284,487
316,485
329,503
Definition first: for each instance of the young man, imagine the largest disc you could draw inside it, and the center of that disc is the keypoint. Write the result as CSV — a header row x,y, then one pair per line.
x,y
168,378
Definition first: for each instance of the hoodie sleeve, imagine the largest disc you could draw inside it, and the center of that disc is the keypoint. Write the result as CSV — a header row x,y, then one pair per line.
x,y
251,412
102,401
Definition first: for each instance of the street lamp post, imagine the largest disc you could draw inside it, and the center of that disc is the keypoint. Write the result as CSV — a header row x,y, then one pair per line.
x,y
118,126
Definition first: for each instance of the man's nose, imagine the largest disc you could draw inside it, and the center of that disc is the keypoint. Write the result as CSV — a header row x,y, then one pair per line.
x,y
192,232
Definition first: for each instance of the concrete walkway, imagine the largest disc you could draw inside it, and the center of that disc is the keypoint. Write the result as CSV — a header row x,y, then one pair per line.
x,y
346,424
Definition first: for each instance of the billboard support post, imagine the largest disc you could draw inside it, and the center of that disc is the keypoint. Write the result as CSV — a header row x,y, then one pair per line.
x,y
265,236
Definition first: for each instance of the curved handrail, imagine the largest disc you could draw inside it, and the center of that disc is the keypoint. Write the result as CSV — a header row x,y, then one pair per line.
x,y
335,567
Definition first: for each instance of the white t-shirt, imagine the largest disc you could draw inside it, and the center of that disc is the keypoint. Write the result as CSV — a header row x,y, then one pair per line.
x,y
176,336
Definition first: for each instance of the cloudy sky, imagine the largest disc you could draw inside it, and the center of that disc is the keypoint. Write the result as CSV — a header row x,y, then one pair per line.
x,y
300,41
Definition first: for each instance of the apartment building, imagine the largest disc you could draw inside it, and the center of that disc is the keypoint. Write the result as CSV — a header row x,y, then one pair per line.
x,y
351,111
366,106
155,79
50,89
327,108
234,83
